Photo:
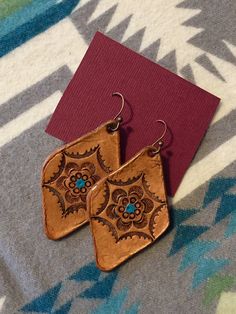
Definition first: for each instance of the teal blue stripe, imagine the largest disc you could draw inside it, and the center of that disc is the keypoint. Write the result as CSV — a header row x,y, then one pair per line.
x,y
24,15
35,26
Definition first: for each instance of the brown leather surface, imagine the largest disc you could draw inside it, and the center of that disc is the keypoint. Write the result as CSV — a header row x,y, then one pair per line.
x,y
70,172
128,209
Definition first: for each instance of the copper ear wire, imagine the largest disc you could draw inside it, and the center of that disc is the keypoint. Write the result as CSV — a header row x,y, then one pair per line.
x,y
159,140
117,117
122,104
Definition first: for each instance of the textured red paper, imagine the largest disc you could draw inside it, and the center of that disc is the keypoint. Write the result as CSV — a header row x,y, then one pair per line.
x,y
152,93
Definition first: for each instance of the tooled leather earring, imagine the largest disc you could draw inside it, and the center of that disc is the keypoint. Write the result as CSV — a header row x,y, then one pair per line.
x,y
71,171
128,209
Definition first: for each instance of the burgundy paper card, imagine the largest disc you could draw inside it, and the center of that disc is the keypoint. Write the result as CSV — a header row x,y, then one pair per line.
x,y
152,93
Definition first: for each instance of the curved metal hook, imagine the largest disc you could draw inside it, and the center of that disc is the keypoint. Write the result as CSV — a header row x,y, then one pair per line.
x,y
159,140
118,119
122,104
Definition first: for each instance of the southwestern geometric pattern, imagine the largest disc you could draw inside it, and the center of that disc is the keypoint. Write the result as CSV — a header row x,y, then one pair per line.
x,y
99,288
190,270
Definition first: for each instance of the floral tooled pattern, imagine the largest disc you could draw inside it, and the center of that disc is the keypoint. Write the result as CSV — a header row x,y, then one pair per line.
x,y
77,181
71,177
130,208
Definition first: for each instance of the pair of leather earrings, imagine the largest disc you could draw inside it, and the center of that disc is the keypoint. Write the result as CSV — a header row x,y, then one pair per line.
x,y
126,205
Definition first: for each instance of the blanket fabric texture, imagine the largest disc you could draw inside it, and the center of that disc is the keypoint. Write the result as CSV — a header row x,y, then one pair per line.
x,y
192,268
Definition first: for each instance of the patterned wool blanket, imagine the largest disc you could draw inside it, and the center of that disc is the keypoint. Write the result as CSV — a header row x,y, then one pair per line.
x,y
192,269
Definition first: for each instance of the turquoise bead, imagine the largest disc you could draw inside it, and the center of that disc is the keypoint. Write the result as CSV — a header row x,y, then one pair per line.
x,y
80,183
130,208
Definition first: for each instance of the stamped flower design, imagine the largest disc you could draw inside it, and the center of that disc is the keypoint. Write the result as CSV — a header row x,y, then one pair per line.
x,y
130,208
77,181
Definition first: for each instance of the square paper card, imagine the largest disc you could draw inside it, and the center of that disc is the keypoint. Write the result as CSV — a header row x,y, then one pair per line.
x,y
151,93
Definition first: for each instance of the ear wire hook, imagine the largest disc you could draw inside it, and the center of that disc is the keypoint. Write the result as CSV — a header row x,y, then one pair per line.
x,y
117,118
122,104
159,140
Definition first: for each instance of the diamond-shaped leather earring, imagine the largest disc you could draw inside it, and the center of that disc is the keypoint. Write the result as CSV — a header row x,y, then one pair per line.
x,y
128,209
71,171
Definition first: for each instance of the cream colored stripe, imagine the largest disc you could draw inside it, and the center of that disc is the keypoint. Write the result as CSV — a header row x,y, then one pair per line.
x,y
225,90
2,300
33,61
27,119
227,303
203,170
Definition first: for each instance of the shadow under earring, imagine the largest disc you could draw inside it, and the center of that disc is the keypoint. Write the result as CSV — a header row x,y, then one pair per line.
x,y
128,209
71,171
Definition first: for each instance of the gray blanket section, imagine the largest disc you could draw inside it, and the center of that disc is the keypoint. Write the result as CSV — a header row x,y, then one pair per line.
x,y
31,264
